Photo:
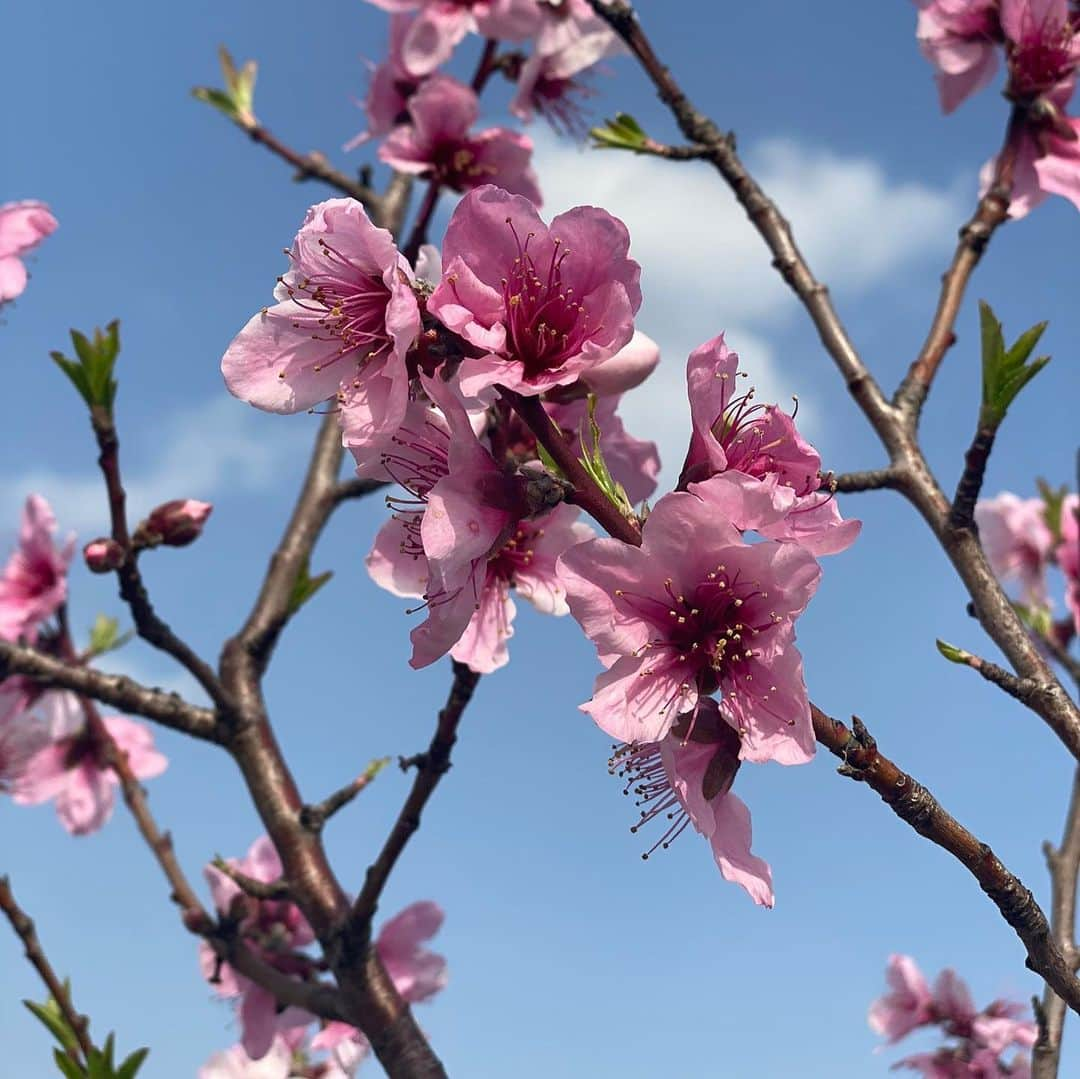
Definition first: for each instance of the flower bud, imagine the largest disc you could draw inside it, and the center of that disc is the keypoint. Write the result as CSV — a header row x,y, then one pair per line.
x,y
174,524
103,555
629,367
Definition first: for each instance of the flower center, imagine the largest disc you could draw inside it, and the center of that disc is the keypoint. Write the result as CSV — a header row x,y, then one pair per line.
x,y
546,323
348,303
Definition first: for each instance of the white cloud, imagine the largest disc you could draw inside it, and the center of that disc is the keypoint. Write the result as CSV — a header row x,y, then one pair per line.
x,y
705,269
205,449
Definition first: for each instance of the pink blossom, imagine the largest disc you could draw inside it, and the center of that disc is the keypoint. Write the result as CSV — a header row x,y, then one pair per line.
x,y
1017,541
23,225
572,27
345,318
33,584
390,86
274,929
686,779
674,622
1068,555
438,143
733,434
469,545
998,1026
103,555
441,25
543,304
908,1006
73,771
627,369
22,734
1042,47
1047,163
960,38
952,1000
176,523
235,1063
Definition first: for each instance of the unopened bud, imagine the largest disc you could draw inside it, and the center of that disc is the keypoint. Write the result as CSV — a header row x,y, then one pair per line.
x,y
174,524
103,555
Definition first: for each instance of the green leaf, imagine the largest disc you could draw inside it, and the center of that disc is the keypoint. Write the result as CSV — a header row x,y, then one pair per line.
x,y
306,586
952,653
92,373
548,461
53,1019
622,133
105,636
237,100
129,1069
593,461
1053,504
1005,371
68,1066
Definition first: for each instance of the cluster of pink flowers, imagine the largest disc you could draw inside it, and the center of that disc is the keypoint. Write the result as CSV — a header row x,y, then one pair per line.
x,y
980,1038
276,1039
1023,538
48,752
23,225
1040,42
427,371
427,118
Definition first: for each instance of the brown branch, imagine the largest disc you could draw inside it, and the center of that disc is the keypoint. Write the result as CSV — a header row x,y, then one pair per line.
x,y
349,489
313,166
719,149
1025,690
257,889
585,492
272,609
430,768
1064,866
35,953
115,690
962,512
991,212
874,479
148,625
915,805
314,817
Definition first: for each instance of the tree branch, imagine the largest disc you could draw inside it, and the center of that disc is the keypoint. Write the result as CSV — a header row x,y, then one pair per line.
x,y
314,817
116,690
35,953
874,479
430,768
149,626
992,211
1064,865
915,805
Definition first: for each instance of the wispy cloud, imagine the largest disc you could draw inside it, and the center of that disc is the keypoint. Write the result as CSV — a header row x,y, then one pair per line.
x,y
705,269
205,449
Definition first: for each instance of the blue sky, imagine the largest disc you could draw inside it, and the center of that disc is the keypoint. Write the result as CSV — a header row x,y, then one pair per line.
x,y
568,955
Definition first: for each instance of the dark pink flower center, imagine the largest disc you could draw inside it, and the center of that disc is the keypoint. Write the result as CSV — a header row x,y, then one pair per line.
x,y
545,322
516,554
1042,58
348,303
705,635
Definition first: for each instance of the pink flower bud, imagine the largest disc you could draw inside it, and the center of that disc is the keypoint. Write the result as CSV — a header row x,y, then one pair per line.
x,y
629,367
175,524
103,555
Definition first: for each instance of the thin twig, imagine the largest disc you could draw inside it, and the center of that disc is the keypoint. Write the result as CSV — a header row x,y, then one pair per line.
x,y
355,487
991,212
116,690
874,479
1024,690
313,166
434,764
257,889
1064,865
915,805
23,925
149,626
962,512
314,817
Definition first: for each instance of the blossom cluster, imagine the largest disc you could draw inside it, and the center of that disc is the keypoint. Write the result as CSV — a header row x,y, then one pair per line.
x,y
457,379
1024,538
979,1038
278,1041
1039,41
49,751
426,118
